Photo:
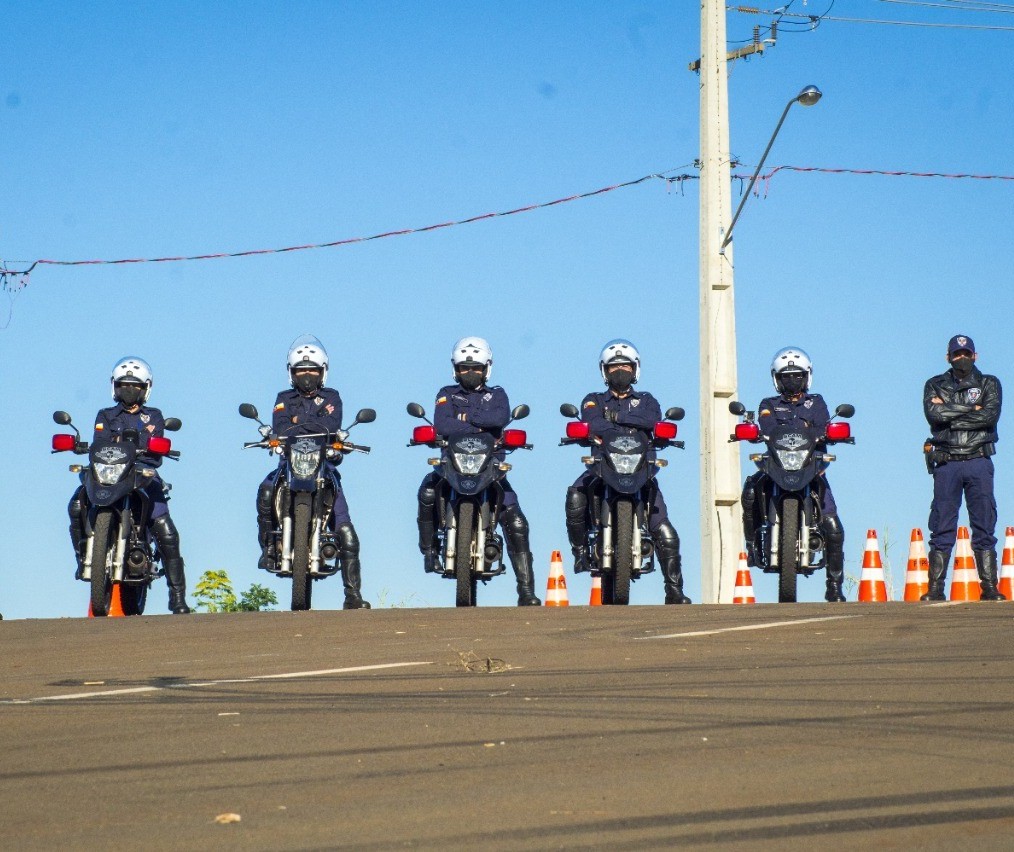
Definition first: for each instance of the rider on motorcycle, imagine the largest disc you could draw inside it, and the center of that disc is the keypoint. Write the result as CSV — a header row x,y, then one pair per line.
x,y
131,382
792,372
621,406
468,407
309,408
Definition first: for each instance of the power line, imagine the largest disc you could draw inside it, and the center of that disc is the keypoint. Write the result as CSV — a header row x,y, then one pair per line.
x,y
816,19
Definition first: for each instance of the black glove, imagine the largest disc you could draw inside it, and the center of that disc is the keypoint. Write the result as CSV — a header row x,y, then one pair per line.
x,y
611,415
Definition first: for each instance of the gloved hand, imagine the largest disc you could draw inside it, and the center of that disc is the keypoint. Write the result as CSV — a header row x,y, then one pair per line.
x,y
611,415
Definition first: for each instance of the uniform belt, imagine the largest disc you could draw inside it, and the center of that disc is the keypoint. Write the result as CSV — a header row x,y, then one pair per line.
x,y
977,454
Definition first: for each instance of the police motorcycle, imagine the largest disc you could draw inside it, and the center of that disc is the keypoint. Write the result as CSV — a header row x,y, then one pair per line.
x,y
304,500
469,499
789,541
620,498
118,546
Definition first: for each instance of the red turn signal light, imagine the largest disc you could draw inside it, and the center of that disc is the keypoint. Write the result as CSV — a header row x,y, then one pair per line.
x,y
747,431
515,437
424,434
61,443
838,431
665,431
578,429
159,446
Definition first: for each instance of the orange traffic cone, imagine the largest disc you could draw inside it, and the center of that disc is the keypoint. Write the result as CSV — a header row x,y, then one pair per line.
x,y
917,573
596,592
965,579
743,591
872,588
1006,584
115,605
556,588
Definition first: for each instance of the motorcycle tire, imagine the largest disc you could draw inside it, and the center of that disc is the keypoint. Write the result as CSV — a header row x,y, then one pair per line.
x,y
103,540
302,583
463,574
623,551
788,550
133,597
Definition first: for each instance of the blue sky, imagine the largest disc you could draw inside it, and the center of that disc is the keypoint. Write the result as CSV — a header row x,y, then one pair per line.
x,y
151,129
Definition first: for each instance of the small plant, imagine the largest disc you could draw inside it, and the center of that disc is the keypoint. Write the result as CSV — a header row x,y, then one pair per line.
x,y
214,593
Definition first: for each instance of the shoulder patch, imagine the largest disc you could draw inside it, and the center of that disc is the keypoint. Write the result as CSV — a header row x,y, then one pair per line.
x,y
280,406
441,400
590,403
764,412
99,427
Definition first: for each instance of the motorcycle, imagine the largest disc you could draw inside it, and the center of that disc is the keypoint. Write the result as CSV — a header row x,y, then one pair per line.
x,y
304,500
118,547
789,541
469,499
620,498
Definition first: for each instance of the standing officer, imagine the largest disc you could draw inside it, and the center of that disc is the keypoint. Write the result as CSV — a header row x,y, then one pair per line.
x,y
792,372
469,407
621,405
131,383
308,408
963,408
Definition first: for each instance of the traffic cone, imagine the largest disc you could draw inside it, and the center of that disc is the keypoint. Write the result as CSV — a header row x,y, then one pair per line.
x,y
596,592
743,591
917,573
872,588
965,579
1006,585
556,588
115,605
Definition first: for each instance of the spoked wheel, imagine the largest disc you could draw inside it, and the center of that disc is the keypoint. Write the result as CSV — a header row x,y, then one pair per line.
x,y
465,579
623,555
302,583
788,551
102,542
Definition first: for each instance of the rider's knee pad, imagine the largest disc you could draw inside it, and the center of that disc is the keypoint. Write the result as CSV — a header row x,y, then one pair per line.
x,y
348,540
833,531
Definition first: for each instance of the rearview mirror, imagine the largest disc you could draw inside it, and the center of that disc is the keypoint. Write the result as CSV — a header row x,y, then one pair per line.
x,y
568,410
61,417
415,410
173,424
675,413
737,408
248,411
366,415
520,412
845,410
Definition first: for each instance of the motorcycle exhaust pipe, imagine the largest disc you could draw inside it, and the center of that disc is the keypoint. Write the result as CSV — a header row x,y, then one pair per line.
x,y
328,551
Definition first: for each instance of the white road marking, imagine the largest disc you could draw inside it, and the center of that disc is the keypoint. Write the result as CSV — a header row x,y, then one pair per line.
x,y
750,627
137,689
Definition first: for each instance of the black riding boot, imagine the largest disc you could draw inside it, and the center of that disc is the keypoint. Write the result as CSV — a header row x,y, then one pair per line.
x,y
834,544
515,527
985,563
426,521
749,501
667,546
75,509
577,528
938,560
169,546
266,525
349,547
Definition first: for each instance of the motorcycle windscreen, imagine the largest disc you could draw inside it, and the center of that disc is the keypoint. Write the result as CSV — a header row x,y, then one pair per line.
x,y
627,462
791,461
470,457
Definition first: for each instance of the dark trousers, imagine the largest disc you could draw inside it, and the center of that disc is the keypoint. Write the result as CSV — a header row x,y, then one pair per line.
x,y
659,512
972,479
339,516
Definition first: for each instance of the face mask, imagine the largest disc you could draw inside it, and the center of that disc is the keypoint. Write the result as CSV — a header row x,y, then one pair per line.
x,y
962,366
793,384
307,382
620,380
129,395
471,380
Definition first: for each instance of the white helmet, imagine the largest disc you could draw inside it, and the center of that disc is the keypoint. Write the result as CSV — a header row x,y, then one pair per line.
x,y
472,350
790,360
620,352
131,370
307,352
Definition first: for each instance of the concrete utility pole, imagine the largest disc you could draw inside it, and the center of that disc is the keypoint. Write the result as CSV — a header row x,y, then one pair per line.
x,y
721,523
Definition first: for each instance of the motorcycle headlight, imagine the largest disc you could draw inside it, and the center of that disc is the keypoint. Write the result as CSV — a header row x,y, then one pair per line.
x,y
304,465
469,463
792,459
108,474
626,463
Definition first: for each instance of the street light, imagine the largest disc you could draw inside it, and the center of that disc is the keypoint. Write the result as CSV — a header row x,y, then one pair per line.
x,y
808,97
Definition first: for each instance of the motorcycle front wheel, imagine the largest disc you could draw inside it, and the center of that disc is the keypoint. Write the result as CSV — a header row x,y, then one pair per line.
x,y
133,597
103,540
302,583
788,551
464,576
623,551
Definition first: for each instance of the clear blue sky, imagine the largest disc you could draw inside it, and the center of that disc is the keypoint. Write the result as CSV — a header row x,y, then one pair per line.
x,y
150,129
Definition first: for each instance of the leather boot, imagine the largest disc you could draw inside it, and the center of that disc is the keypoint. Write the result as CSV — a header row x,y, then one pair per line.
x,y
577,528
749,502
515,528
985,563
834,543
349,549
266,525
75,510
168,540
938,560
426,522
667,546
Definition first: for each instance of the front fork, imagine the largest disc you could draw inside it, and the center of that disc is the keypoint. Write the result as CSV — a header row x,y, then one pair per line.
x,y
120,553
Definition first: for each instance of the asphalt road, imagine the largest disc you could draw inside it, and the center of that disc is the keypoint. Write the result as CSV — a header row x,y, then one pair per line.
x,y
849,726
